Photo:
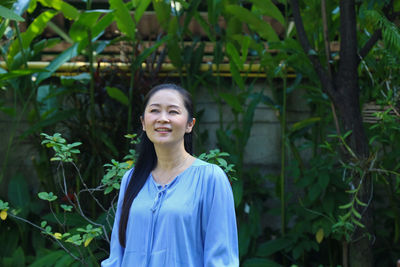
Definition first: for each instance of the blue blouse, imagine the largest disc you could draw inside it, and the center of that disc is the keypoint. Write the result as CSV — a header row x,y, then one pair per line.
x,y
189,222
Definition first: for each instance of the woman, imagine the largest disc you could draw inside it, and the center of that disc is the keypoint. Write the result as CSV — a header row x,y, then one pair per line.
x,y
173,209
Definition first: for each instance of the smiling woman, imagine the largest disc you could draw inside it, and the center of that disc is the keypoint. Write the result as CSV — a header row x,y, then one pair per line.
x,y
173,209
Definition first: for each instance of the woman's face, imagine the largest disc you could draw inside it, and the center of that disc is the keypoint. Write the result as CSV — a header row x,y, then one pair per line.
x,y
165,118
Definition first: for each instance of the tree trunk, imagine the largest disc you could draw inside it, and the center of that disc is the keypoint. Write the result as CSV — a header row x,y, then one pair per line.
x,y
361,253
343,89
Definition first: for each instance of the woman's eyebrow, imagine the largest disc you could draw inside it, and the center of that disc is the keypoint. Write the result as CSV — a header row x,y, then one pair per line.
x,y
169,106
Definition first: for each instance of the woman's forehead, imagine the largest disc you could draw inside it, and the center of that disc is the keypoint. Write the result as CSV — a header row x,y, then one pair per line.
x,y
167,97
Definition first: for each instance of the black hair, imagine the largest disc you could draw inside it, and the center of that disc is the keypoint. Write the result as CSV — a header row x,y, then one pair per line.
x,y
147,158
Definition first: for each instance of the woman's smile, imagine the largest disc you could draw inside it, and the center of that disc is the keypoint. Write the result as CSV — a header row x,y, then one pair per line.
x,y
165,119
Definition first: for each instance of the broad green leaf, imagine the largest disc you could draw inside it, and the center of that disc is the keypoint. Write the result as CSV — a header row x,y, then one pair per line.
x,y
70,12
18,257
97,30
18,193
234,55
237,188
9,14
79,30
314,192
18,73
270,247
263,28
323,180
140,9
57,62
259,262
123,18
163,12
236,75
232,101
48,259
118,95
270,9
34,29
304,123
174,52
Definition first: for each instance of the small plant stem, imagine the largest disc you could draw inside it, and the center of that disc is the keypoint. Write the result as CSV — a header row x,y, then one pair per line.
x,y
131,84
44,230
345,253
58,221
79,208
283,157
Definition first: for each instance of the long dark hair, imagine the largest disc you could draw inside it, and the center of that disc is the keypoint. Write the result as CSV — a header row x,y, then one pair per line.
x,y
147,158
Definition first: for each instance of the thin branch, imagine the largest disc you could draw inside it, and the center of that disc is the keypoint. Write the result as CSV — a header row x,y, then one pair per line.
x,y
369,44
53,237
326,37
326,81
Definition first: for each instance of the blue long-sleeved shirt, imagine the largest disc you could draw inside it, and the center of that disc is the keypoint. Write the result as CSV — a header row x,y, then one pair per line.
x,y
189,222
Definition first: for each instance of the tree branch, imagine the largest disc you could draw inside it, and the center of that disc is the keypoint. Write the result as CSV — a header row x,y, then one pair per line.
x,y
322,73
348,41
369,44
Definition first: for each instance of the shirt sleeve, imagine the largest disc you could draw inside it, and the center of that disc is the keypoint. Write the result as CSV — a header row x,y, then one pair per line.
x,y
219,222
116,250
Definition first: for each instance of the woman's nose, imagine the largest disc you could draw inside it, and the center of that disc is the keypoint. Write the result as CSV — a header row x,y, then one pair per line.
x,y
163,117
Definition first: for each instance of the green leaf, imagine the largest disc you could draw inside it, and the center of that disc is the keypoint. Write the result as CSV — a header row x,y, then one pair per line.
x,y
163,11
47,196
232,100
70,12
234,55
359,202
236,75
66,207
18,73
314,192
79,30
259,262
356,213
57,62
123,18
304,123
323,180
346,206
18,193
263,28
270,247
141,8
268,8
237,188
9,14
118,95
18,257
49,259
35,28
65,260
358,223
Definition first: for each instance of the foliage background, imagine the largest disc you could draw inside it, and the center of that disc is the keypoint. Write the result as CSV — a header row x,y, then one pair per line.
x,y
315,197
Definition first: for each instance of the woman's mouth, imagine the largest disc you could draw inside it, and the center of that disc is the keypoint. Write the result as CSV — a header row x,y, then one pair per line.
x,y
163,130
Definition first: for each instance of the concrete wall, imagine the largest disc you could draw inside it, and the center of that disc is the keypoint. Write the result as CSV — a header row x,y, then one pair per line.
x,y
263,148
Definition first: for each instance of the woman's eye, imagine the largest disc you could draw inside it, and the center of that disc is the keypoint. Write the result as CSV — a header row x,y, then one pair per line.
x,y
173,112
153,110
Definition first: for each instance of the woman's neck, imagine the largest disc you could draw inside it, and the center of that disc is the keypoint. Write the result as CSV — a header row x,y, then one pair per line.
x,y
170,158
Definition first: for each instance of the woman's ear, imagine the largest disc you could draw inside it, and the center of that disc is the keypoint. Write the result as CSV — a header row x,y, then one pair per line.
x,y
190,125
142,121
